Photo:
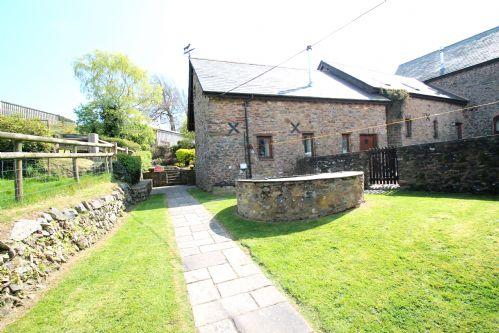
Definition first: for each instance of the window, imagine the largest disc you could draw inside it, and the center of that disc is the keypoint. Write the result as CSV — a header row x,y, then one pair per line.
x,y
264,147
345,143
308,144
408,127
459,130
496,125
435,129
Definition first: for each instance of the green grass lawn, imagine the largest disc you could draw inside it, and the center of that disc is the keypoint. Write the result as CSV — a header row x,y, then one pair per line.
x,y
407,261
38,189
40,195
133,283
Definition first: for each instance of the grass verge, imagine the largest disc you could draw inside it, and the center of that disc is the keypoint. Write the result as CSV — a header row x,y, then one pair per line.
x,y
133,283
402,262
40,195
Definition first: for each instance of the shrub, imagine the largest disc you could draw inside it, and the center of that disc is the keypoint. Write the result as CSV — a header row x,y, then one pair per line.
x,y
124,143
185,156
146,158
16,124
127,168
182,144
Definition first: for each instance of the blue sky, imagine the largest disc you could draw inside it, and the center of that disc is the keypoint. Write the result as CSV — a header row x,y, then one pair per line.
x,y
41,39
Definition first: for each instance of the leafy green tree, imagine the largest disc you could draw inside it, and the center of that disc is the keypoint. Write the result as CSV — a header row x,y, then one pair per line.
x,y
188,135
119,95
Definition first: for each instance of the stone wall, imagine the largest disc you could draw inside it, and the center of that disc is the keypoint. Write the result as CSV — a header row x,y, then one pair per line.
x,y
299,198
38,247
479,85
469,165
220,151
358,161
422,129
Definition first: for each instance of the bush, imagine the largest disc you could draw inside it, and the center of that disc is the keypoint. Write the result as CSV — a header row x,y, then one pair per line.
x,y
162,155
182,144
146,158
16,124
124,143
127,168
186,156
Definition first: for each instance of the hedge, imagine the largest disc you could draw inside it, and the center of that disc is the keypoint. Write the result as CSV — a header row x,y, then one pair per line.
x,y
182,144
127,168
16,124
185,156
146,158
124,143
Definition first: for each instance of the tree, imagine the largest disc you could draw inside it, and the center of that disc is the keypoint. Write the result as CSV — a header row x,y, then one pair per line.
x,y
188,135
173,103
120,97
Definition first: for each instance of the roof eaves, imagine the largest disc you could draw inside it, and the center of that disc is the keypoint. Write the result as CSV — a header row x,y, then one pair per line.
x,y
380,100
331,70
431,77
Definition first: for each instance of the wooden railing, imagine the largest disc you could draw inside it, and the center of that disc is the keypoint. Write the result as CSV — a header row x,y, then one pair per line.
x,y
18,155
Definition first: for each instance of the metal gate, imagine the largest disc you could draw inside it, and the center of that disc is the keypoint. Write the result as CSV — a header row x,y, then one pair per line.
x,y
383,166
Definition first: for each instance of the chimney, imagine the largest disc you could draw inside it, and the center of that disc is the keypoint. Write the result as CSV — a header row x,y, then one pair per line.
x,y
442,63
309,52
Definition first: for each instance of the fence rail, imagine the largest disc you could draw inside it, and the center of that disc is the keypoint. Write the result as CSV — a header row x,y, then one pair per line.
x,y
91,152
36,138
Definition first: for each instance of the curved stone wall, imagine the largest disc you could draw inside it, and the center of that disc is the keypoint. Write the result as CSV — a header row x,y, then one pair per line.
x,y
299,198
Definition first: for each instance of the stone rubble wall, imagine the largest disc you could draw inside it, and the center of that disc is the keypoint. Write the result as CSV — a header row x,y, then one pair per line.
x,y
469,165
36,248
299,199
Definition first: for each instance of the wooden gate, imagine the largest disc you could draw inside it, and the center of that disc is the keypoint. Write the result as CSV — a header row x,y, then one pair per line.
x,y
383,166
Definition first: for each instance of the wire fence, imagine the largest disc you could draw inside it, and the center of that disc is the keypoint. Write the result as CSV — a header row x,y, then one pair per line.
x,y
46,178
63,167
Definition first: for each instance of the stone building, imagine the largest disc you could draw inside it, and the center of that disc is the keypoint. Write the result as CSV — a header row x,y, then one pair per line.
x,y
470,69
409,121
260,129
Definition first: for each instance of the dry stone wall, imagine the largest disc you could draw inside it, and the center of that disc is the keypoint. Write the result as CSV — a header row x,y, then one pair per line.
x,y
469,165
37,247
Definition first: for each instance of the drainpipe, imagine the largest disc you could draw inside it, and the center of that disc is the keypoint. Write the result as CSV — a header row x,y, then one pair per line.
x,y
246,138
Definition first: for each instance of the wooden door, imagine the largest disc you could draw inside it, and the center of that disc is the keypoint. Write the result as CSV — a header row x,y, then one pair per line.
x,y
368,141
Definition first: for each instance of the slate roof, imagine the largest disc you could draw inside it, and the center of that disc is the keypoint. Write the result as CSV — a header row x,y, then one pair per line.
x,y
372,81
471,51
220,76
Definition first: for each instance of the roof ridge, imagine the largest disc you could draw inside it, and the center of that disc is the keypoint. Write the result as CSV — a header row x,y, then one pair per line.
x,y
486,32
246,63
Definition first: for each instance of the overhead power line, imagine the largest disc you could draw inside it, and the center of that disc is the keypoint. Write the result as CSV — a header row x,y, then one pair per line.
x,y
402,121
329,35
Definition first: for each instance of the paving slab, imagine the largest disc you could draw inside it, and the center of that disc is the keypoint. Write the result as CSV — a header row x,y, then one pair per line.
x,y
202,292
279,318
202,260
267,296
242,285
223,326
222,273
217,247
197,275
227,290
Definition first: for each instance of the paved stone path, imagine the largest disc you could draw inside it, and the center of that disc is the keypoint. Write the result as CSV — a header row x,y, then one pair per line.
x,y
227,291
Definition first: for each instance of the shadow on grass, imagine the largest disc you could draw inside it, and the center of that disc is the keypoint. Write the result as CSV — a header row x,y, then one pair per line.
x,y
241,228
444,195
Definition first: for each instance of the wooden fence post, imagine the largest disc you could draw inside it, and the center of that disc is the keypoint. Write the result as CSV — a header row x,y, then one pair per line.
x,y
76,174
18,166
115,151
106,160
